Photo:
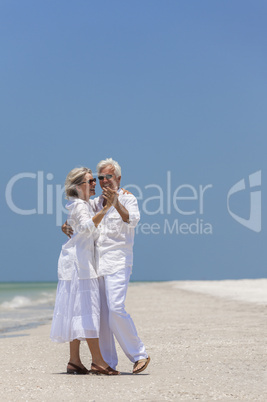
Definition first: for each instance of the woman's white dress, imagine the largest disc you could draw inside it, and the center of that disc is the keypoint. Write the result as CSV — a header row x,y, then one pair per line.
x,y
77,306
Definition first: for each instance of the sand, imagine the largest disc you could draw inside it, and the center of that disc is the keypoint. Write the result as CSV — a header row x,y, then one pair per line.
x,y
202,347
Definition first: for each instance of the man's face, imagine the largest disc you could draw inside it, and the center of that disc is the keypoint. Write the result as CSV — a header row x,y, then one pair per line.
x,y
113,182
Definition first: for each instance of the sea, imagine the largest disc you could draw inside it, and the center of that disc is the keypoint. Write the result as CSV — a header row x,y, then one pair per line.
x,y
25,305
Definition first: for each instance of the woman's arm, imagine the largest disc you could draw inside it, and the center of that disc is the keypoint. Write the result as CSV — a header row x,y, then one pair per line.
x,y
86,221
100,215
84,217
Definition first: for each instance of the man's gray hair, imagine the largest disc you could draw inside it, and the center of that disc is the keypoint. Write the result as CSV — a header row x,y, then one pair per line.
x,y
109,162
75,178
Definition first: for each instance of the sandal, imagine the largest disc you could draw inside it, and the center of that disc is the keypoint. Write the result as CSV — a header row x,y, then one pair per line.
x,y
76,369
142,368
95,369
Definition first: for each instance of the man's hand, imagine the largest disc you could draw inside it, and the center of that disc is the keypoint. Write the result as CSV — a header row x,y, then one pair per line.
x,y
67,229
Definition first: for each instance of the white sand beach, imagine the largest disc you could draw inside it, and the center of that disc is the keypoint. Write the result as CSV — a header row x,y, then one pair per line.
x,y
207,341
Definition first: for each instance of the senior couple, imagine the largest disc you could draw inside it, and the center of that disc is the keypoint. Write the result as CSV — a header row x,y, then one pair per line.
x,y
94,269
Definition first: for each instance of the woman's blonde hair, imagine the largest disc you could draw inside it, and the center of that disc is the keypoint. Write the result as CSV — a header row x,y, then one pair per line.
x,y
74,178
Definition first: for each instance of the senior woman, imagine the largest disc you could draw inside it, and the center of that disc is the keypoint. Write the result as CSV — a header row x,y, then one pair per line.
x,y
77,309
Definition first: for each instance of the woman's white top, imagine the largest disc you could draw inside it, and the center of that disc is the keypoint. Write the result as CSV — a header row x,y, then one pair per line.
x,y
78,252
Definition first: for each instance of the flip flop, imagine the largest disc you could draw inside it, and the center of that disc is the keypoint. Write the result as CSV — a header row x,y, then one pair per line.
x,y
142,368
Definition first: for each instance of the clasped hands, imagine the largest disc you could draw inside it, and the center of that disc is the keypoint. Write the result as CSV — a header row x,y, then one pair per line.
x,y
111,196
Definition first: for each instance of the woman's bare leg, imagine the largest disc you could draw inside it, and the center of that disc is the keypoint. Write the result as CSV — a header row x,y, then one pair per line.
x,y
75,353
93,344
97,357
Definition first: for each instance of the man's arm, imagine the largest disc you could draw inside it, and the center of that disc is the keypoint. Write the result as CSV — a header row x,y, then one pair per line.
x,y
122,211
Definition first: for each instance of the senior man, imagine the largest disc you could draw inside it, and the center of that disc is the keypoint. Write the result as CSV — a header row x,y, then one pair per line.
x,y
114,255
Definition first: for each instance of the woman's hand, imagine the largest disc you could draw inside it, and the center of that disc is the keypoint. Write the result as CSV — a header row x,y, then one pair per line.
x,y
126,191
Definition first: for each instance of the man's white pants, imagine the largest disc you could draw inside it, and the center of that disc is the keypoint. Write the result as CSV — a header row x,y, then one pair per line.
x,y
115,320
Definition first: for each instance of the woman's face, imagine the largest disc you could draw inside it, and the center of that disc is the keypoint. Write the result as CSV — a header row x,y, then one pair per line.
x,y
85,189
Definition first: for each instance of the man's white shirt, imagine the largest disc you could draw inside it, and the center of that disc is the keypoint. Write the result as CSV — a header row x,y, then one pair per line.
x,y
114,247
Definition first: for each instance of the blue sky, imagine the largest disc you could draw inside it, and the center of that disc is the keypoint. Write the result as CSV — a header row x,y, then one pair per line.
x,y
173,90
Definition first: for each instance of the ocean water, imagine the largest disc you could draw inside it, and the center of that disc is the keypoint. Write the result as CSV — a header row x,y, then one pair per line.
x,y
25,304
